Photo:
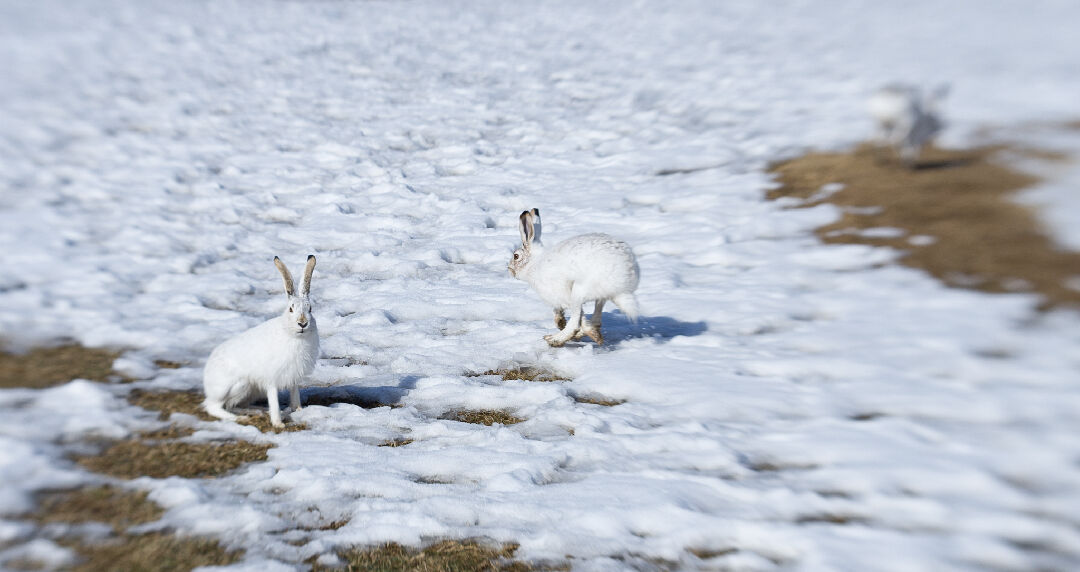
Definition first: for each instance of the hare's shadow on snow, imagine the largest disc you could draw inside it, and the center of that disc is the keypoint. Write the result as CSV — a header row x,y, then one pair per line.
x,y
616,329
361,396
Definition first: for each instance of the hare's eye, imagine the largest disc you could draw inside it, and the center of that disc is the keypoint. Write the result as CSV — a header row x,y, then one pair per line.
x,y
516,256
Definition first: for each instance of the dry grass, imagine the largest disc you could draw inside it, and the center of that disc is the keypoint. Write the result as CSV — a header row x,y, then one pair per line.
x,y
168,402
154,552
449,555
262,423
523,373
598,400
706,554
122,509
982,239
395,443
119,508
46,367
190,402
167,433
482,417
135,458
831,518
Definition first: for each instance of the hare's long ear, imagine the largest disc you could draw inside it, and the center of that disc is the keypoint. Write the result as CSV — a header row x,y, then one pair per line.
x,y
536,226
305,286
525,228
284,275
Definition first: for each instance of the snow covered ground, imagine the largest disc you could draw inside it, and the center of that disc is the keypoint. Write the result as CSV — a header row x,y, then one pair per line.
x,y
787,404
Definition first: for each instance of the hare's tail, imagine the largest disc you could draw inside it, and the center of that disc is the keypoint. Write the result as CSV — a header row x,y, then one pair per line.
x,y
628,304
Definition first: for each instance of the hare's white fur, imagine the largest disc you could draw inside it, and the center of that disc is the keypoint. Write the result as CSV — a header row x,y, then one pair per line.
x,y
274,355
586,267
906,119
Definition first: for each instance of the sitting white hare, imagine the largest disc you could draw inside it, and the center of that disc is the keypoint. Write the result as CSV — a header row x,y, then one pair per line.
x,y
277,354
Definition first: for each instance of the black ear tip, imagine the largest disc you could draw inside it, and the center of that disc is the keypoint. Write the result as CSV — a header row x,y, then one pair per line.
x,y
276,259
311,257
536,212
523,213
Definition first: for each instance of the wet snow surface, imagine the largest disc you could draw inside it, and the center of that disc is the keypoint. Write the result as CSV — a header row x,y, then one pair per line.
x,y
787,404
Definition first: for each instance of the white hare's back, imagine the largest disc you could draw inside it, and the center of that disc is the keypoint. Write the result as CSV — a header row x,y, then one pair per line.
x,y
600,266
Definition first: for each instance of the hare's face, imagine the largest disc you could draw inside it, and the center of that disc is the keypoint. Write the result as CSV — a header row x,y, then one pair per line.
x,y
518,261
298,318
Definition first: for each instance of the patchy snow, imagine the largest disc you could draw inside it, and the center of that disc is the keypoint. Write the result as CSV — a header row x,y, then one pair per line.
x,y
787,404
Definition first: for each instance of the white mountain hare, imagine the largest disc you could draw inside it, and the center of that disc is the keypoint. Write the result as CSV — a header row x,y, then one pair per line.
x,y
277,354
906,119
586,267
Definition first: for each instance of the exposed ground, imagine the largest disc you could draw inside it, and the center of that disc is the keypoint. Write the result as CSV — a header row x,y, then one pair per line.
x,y
954,213
133,458
524,373
46,367
483,417
189,402
122,509
450,555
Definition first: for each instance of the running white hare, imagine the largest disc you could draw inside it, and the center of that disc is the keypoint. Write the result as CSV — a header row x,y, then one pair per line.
x,y
277,354
586,267
906,119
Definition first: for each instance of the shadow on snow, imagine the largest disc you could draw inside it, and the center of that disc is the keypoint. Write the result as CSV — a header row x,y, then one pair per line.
x,y
616,329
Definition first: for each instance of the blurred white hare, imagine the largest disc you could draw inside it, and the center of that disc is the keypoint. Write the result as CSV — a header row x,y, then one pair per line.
x,y
277,354
907,120
586,267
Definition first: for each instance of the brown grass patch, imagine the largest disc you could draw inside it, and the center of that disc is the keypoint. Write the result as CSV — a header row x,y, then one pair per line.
x,y
122,509
154,552
449,555
190,402
705,554
523,373
598,400
262,423
167,433
831,518
982,239
395,443
168,364
46,367
168,402
482,417
135,458
119,508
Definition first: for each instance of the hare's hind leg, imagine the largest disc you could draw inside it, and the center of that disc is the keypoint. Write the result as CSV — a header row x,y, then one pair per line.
x,y
568,331
592,329
217,410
